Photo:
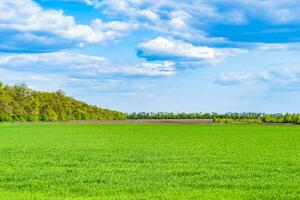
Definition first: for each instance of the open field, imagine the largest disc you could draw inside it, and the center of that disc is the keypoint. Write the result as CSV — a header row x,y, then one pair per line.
x,y
131,121
144,161
153,121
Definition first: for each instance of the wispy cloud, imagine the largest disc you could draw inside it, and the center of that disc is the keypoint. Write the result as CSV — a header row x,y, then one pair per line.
x,y
80,65
233,78
272,11
281,79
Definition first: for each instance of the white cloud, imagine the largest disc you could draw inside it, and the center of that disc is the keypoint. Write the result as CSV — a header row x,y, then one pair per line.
x,y
233,78
49,82
28,20
166,68
177,18
186,19
79,74
193,14
275,46
281,79
273,11
80,65
55,81
165,49
265,75
149,14
162,48
289,74
113,28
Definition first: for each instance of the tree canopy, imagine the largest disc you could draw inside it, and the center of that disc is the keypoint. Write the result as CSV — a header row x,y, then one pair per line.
x,y
19,103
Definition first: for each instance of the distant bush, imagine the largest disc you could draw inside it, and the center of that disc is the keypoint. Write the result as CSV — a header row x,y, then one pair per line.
x,y
242,118
238,121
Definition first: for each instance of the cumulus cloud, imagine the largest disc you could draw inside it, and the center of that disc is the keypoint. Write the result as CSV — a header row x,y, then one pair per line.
x,y
188,19
166,49
165,9
177,18
24,21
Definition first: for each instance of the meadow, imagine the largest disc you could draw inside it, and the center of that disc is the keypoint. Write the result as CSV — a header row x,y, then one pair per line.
x,y
149,162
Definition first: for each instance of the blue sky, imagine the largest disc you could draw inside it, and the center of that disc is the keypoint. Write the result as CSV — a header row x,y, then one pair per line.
x,y
167,55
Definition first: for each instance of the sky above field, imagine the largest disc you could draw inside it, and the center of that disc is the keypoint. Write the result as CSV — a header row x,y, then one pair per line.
x,y
166,55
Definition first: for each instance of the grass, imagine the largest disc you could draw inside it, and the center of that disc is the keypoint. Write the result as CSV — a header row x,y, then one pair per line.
x,y
149,162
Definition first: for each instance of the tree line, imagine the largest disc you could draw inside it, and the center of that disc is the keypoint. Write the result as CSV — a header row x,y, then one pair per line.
x,y
19,103
247,117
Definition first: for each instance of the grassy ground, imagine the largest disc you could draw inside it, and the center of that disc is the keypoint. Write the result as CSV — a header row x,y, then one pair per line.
x,y
149,162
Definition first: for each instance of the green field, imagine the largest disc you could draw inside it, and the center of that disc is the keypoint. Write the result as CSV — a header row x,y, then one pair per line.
x,y
149,162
